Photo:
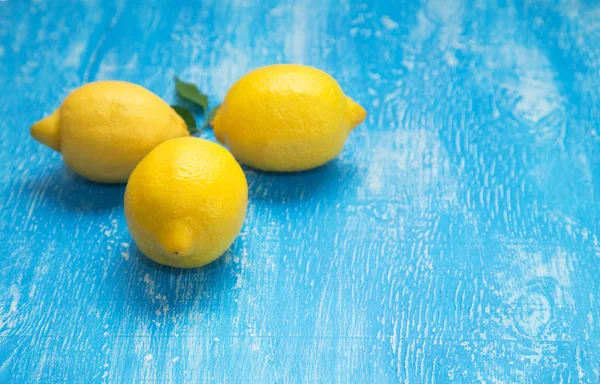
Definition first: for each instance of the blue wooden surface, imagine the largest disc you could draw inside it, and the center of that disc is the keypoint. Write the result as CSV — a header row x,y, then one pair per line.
x,y
455,239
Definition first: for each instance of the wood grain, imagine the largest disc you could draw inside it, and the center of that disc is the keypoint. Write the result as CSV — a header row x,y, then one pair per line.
x,y
454,240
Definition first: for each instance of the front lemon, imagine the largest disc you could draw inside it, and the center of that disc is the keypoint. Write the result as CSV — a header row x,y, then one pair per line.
x,y
104,129
185,202
286,117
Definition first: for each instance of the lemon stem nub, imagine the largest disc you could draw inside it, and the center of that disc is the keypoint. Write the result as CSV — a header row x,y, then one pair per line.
x,y
177,242
47,131
356,114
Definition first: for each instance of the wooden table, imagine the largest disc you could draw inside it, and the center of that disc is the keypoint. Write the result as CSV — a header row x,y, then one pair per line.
x,y
455,238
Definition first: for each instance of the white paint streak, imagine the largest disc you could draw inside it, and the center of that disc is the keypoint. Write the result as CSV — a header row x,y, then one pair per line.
x,y
535,90
8,319
388,23
296,40
401,153
76,51
439,22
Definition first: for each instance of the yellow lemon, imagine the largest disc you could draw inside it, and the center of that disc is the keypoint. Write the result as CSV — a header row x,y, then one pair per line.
x,y
185,202
286,117
104,129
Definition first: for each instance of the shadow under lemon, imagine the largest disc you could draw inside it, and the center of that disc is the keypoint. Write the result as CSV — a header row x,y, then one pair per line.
x,y
73,192
167,291
328,180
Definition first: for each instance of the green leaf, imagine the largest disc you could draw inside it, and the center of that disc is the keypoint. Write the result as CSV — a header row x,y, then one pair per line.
x,y
187,116
211,115
191,93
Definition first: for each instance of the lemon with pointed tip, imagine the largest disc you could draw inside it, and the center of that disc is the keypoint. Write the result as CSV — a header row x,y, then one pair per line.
x,y
104,129
286,117
185,202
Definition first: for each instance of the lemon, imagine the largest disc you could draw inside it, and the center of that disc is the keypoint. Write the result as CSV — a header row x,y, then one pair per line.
x,y
104,129
286,117
185,202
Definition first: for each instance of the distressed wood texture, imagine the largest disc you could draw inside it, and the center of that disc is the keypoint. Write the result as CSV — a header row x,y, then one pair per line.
x,y
455,238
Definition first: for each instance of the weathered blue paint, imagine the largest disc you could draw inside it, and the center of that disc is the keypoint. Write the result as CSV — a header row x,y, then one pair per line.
x,y
455,239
